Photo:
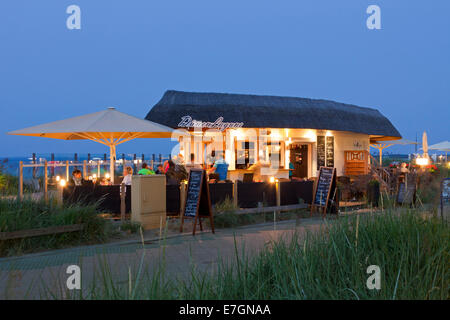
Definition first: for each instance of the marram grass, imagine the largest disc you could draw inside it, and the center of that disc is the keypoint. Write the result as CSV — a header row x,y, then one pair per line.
x,y
411,251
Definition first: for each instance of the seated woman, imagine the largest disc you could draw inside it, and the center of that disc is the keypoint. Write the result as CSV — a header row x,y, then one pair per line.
x,y
128,173
77,179
175,173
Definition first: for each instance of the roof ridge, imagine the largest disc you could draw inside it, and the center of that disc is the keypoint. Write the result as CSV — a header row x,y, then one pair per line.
x,y
171,91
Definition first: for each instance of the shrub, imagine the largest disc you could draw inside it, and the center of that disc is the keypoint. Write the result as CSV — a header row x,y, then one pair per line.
x,y
28,214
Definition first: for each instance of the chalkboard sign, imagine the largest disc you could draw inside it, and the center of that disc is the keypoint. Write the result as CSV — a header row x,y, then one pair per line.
x,y
320,152
324,187
198,200
406,194
445,190
330,151
445,194
193,193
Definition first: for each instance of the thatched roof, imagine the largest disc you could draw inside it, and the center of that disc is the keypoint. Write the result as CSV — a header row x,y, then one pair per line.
x,y
270,112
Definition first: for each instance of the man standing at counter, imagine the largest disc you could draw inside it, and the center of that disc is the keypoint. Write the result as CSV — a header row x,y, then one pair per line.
x,y
220,167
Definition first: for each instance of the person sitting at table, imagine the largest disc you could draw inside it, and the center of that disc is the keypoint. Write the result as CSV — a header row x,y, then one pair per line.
x,y
220,167
145,171
165,166
256,170
171,173
128,173
160,169
77,179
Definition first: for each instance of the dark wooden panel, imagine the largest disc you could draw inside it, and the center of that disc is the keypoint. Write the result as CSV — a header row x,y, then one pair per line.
x,y
249,194
173,199
292,191
220,191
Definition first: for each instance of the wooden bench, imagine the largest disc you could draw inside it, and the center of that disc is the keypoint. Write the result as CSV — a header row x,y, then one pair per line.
x,y
40,232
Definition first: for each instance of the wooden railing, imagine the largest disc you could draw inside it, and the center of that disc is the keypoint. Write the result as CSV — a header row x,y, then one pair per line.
x,y
382,174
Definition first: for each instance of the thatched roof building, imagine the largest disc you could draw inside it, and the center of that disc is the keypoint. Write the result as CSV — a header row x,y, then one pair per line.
x,y
257,111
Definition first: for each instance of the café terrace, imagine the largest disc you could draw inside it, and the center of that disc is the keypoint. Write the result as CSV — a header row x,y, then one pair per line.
x,y
273,130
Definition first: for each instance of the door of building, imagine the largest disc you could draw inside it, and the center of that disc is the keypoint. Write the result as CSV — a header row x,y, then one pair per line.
x,y
299,157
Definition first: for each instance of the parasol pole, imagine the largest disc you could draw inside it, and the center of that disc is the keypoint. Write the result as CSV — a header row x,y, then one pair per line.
x,y
381,155
112,162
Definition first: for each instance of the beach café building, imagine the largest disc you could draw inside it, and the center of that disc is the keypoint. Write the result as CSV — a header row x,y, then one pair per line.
x,y
275,131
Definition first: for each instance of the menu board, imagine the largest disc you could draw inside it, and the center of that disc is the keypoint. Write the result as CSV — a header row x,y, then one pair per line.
x,y
198,201
445,192
320,152
324,186
406,195
330,151
193,193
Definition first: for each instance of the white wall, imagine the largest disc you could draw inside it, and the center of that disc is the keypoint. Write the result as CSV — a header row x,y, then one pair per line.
x,y
344,141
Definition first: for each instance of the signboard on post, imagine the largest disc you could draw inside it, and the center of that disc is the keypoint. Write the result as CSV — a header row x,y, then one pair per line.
x,y
406,193
198,200
324,190
445,194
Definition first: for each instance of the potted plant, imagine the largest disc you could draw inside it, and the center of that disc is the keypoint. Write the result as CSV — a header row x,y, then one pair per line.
x,y
373,192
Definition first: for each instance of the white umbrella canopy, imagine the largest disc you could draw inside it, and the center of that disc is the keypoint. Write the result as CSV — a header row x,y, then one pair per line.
x,y
380,146
441,146
109,127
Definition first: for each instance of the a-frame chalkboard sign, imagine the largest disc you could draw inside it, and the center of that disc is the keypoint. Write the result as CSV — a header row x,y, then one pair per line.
x,y
325,190
198,201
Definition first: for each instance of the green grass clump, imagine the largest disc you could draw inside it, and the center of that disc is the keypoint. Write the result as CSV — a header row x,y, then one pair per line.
x,y
129,226
29,214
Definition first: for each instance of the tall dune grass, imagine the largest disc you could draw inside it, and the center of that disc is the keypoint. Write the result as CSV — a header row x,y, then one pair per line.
x,y
30,214
411,251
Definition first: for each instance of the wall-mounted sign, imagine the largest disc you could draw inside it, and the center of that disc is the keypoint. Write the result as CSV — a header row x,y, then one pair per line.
x,y
357,144
188,122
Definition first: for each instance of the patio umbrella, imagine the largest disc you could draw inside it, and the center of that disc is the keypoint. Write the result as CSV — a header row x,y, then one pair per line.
x,y
109,127
441,146
381,146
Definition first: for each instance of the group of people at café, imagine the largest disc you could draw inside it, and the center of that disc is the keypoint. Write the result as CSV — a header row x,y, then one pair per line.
x,y
175,170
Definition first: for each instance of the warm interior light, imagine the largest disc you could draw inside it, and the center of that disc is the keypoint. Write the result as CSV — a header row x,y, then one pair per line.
x,y
422,161
107,176
272,179
62,183
58,178
275,135
288,142
94,176
310,134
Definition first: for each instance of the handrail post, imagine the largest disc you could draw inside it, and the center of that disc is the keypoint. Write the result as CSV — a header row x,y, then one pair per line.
x,y
85,174
45,181
182,197
235,193
21,180
123,189
67,170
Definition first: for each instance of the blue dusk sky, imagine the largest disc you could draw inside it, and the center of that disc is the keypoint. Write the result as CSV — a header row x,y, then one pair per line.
x,y
128,53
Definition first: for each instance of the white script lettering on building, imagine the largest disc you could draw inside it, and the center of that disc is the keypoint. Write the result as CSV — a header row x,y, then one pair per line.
x,y
188,122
